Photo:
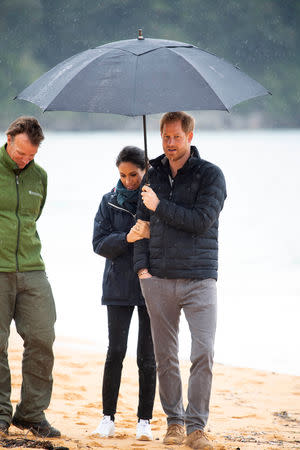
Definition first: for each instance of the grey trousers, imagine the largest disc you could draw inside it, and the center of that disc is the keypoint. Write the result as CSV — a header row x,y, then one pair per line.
x,y
27,298
165,298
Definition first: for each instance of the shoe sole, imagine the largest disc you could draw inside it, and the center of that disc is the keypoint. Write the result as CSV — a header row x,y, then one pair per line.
x,y
203,446
144,438
42,435
103,435
36,433
171,441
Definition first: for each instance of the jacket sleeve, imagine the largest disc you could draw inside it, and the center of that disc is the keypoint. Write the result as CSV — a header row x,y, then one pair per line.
x,y
106,241
204,213
141,247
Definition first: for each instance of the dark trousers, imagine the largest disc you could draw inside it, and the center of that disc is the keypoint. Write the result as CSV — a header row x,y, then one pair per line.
x,y
119,318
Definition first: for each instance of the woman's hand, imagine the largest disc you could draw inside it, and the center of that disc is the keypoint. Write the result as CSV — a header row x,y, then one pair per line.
x,y
141,230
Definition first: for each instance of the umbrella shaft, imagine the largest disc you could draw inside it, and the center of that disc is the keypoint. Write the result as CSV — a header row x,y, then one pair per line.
x,y
145,148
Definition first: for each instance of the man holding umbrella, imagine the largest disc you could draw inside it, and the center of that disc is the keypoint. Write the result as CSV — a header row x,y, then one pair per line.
x,y
177,268
25,292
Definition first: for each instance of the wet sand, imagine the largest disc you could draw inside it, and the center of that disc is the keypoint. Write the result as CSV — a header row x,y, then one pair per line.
x,y
250,409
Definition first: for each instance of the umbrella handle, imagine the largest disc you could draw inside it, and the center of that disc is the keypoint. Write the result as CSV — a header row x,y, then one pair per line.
x,y
146,151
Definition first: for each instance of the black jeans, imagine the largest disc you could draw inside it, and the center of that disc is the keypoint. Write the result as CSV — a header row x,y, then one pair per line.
x,y
119,318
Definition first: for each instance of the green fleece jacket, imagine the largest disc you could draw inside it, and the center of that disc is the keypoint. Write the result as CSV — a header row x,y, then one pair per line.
x,y
22,197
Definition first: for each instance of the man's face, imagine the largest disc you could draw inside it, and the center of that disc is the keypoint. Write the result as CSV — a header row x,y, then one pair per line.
x,y
20,149
176,143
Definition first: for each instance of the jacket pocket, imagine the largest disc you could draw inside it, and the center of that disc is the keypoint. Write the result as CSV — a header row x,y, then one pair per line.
x,y
30,203
116,282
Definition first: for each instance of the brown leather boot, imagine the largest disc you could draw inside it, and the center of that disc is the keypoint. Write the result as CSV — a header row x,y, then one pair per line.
x,y
198,440
174,435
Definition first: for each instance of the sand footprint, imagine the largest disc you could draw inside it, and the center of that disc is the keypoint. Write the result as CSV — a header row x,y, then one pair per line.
x,y
72,396
245,417
77,365
122,436
87,413
93,405
62,377
82,388
136,445
92,443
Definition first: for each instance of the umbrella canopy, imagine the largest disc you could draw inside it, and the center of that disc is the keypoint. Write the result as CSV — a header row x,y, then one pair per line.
x,y
142,76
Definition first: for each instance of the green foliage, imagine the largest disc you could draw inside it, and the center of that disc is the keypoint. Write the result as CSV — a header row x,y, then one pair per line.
x,y
261,36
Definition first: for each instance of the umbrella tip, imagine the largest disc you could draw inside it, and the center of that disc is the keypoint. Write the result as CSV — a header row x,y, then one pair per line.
x,y
140,36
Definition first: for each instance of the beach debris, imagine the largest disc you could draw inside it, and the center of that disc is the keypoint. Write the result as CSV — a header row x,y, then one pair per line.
x,y
242,439
29,443
249,439
284,415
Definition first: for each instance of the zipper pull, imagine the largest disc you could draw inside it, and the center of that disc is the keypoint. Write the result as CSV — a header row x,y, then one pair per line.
x,y
171,181
17,179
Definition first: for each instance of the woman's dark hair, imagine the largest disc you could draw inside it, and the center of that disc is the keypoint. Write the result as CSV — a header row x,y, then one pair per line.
x,y
133,155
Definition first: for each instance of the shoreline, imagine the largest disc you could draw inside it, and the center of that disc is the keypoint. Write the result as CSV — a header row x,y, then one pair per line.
x,y
250,409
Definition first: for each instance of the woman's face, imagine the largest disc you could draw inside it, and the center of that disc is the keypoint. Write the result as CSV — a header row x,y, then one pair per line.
x,y
130,175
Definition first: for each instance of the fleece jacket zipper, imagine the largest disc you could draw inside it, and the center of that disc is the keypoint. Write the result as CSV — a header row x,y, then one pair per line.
x,y
18,218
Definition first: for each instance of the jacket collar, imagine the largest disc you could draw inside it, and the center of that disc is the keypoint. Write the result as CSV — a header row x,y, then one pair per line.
x,y
6,159
163,162
113,197
113,201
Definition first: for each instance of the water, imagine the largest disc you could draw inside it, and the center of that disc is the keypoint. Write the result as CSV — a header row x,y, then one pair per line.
x,y
258,287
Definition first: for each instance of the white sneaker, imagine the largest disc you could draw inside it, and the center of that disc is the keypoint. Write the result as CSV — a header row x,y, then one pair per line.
x,y
106,427
143,430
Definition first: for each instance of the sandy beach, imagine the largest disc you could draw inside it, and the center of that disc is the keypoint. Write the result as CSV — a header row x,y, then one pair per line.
x,y
250,409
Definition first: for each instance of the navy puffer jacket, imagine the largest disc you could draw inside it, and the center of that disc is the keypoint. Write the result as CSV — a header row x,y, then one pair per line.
x,y
184,227
120,285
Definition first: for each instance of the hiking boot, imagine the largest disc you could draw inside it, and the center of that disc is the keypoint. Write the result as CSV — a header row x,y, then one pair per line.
x,y
198,440
40,429
174,435
106,427
143,430
3,428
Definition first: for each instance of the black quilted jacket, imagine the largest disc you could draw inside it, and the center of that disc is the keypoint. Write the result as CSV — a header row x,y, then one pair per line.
x,y
184,227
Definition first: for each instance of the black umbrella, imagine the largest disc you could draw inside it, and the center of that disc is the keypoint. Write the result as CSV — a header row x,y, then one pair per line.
x,y
142,76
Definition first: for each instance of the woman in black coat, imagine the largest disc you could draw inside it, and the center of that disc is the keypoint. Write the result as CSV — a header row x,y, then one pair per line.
x,y
115,231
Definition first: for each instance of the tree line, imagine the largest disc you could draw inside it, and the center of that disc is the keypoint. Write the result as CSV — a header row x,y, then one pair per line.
x,y
262,37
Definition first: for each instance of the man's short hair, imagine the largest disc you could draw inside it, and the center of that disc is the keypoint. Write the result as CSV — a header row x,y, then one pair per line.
x,y
28,125
187,122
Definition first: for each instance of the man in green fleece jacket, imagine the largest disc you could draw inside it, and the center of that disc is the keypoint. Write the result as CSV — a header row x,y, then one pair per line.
x,y
25,293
